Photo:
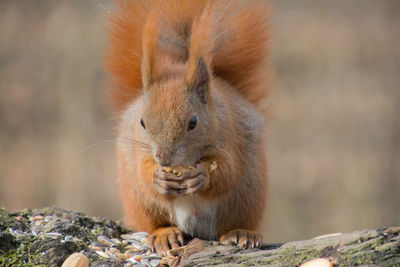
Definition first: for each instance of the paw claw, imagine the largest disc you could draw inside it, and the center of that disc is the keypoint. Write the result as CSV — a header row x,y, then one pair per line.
x,y
242,238
164,239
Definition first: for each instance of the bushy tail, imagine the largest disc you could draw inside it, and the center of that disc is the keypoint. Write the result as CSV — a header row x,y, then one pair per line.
x,y
231,35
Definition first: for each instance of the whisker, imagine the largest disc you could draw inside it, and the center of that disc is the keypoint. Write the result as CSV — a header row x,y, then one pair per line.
x,y
136,143
87,148
97,144
105,9
144,149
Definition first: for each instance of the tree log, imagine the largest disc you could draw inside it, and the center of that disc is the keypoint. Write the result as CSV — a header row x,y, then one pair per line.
x,y
46,237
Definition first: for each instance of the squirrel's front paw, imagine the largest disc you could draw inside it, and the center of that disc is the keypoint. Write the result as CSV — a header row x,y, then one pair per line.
x,y
164,239
243,238
196,179
189,182
167,183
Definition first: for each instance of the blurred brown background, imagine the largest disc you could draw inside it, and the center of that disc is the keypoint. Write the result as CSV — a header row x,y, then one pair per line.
x,y
334,133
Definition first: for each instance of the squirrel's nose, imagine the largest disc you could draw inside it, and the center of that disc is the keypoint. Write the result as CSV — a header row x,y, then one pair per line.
x,y
163,159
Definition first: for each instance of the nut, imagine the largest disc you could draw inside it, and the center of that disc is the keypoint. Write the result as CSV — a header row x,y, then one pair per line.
x,y
76,260
320,262
213,166
178,170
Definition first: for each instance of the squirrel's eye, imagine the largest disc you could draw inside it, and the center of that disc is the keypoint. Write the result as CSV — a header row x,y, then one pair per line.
x,y
192,123
142,123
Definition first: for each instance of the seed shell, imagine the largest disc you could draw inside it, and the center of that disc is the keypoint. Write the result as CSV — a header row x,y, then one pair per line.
x,y
76,260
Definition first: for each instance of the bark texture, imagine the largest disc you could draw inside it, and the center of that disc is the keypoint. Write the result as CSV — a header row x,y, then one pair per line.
x,y
46,237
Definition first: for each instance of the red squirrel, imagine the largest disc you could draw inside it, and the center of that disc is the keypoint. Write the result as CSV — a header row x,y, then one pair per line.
x,y
188,79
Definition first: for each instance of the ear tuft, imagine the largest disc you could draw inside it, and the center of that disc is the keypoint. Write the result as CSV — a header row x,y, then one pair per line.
x,y
149,46
199,80
203,76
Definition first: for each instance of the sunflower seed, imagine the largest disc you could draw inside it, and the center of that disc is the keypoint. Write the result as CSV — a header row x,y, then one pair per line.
x,y
68,238
154,263
98,244
132,260
140,235
111,255
152,257
126,236
121,256
131,248
95,248
144,261
116,241
105,240
36,218
53,235
136,245
102,253
114,250
138,258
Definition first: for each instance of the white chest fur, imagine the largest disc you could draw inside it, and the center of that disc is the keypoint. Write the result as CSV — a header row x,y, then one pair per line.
x,y
196,216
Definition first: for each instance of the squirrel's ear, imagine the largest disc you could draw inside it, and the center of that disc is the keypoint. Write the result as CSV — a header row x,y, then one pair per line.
x,y
150,33
147,76
198,79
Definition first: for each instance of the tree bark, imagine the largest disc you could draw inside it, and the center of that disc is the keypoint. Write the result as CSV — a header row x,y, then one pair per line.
x,y
46,237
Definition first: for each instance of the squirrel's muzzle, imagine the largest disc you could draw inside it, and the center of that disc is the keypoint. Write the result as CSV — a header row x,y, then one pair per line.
x,y
163,158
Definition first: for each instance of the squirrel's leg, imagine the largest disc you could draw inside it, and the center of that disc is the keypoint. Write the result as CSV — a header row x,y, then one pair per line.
x,y
135,216
246,219
160,239
243,238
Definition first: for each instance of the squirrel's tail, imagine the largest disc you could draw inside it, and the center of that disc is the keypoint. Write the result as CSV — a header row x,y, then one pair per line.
x,y
230,35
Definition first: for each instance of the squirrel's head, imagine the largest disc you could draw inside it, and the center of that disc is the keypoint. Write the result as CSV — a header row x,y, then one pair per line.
x,y
176,117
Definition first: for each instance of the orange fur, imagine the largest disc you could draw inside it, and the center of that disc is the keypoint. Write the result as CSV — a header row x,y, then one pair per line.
x,y
172,60
233,31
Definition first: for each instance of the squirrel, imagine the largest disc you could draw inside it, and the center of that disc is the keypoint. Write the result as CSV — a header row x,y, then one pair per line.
x,y
188,80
